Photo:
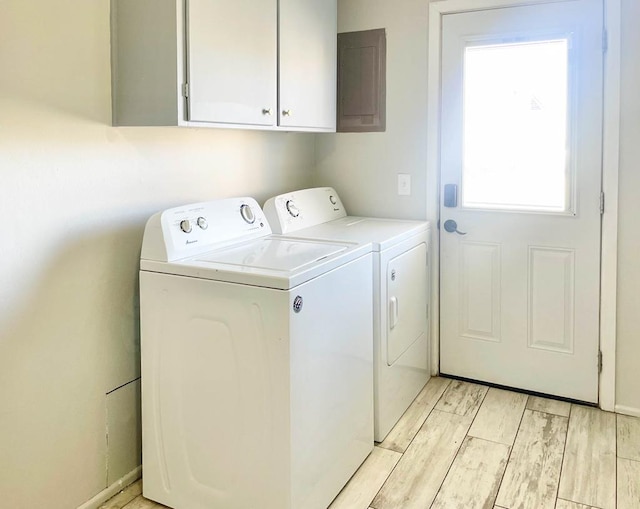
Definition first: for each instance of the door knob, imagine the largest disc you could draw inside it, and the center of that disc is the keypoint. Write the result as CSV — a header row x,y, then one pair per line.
x,y
451,226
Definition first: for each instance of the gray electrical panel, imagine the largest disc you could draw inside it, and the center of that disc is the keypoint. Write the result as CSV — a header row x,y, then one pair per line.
x,y
362,81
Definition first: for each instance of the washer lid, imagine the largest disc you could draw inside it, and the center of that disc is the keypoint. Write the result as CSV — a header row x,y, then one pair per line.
x,y
274,254
271,261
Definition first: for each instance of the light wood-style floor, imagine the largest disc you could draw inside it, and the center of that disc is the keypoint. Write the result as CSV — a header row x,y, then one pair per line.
x,y
464,446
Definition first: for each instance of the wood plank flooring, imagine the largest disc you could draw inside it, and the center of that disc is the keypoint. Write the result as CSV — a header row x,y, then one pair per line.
x,y
533,473
465,446
591,435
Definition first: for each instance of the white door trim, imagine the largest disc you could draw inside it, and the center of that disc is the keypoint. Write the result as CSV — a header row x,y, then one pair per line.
x,y
611,135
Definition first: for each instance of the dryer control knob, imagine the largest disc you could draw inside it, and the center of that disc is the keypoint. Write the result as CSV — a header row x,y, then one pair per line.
x,y
292,209
202,223
247,214
333,200
185,225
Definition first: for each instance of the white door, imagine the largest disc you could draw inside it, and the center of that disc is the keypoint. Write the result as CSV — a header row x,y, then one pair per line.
x,y
232,61
520,196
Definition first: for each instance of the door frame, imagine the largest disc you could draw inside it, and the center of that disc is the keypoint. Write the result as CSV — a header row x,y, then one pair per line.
x,y
610,160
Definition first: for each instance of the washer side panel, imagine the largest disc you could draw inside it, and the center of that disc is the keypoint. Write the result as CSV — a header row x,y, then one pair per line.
x,y
215,393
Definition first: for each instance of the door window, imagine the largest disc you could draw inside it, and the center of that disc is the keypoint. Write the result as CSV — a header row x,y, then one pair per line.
x,y
515,134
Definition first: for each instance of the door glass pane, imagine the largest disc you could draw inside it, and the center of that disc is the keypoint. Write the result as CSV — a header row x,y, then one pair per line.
x,y
515,126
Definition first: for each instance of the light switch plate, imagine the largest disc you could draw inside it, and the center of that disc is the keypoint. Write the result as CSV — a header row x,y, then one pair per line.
x,y
404,184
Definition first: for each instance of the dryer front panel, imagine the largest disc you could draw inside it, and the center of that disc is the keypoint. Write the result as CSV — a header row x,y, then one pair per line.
x,y
406,301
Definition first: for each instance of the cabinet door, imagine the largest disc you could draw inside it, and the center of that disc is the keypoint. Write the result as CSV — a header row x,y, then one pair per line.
x,y
308,33
231,61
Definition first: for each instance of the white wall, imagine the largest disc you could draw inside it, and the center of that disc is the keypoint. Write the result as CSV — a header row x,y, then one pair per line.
x,y
628,354
74,196
363,167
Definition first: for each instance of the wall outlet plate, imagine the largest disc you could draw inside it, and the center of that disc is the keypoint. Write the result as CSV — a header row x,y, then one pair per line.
x,y
404,184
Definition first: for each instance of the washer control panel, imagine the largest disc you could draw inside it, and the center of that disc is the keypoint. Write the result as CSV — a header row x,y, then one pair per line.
x,y
292,209
184,231
290,212
247,213
185,226
202,223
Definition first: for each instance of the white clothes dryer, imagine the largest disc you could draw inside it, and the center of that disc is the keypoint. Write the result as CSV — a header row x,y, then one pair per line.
x,y
401,289
257,368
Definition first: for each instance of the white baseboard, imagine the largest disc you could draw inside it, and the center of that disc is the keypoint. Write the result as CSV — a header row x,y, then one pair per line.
x,y
110,491
628,410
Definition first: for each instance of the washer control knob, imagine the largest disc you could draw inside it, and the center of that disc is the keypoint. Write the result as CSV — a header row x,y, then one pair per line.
x,y
185,225
202,223
333,199
247,214
292,209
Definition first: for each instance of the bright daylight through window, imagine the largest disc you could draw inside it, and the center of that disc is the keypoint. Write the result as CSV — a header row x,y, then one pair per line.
x,y
515,153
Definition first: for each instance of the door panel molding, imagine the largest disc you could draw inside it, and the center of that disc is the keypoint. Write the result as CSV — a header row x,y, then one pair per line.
x,y
551,321
611,136
480,289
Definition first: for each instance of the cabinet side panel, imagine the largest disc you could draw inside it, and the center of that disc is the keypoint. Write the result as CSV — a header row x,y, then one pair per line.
x,y
144,57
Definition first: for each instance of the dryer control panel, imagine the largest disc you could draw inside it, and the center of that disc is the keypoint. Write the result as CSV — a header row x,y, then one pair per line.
x,y
293,211
185,231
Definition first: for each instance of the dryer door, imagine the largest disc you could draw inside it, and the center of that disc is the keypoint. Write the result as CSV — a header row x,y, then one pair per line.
x,y
406,301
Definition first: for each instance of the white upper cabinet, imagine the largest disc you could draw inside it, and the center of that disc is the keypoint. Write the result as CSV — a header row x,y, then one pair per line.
x,y
308,63
231,50
264,64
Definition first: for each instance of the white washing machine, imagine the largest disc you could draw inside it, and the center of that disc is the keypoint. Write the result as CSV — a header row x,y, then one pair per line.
x,y
257,367
401,289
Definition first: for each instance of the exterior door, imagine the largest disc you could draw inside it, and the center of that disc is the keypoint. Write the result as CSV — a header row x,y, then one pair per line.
x,y
520,214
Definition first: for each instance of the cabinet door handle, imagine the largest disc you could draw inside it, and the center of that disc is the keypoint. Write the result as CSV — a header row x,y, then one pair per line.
x,y
286,113
266,111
